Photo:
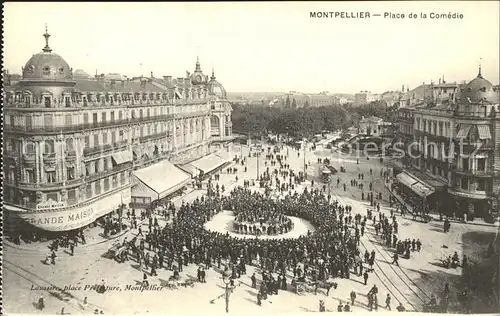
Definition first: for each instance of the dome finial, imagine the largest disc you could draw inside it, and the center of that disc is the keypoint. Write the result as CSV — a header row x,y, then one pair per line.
x,y
47,48
198,68
213,74
479,74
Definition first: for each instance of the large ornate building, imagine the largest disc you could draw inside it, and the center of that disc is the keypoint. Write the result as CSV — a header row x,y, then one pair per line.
x,y
77,148
453,147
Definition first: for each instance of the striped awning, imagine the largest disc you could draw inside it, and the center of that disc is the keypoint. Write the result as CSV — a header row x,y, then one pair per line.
x,y
464,130
122,157
484,132
208,163
162,179
420,188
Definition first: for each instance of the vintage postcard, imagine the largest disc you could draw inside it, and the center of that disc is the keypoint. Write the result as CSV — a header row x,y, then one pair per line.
x,y
250,157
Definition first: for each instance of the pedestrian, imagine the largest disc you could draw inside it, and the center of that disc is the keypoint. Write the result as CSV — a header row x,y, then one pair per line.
x,y
353,297
41,303
388,301
365,277
72,249
259,299
254,281
395,259
347,308
401,308
340,308
322,306
53,258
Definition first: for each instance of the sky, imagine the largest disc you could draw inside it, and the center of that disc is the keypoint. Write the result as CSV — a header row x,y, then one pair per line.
x,y
264,46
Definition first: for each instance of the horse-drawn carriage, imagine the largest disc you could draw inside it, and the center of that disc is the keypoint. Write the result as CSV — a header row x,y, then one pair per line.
x,y
306,286
174,282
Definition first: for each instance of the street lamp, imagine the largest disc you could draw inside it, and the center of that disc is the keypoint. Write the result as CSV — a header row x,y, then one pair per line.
x,y
227,281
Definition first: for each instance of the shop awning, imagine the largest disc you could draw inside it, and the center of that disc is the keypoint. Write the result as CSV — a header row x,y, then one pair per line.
x,y
420,188
468,195
484,132
463,131
161,179
192,170
208,163
122,157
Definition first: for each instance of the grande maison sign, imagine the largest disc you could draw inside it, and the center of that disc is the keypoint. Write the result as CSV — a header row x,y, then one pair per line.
x,y
62,220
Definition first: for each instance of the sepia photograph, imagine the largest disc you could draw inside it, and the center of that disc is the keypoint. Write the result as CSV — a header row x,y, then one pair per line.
x,y
199,158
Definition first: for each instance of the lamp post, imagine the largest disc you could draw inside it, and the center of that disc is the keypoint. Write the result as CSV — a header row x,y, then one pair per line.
x,y
227,282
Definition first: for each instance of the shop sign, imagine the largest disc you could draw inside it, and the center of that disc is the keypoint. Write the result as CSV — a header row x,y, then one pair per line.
x,y
77,217
50,204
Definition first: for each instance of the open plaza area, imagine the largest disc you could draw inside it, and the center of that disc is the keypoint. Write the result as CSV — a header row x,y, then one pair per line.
x,y
72,282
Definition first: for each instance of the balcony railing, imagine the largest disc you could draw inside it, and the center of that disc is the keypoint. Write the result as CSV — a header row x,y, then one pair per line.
x,y
85,126
479,173
50,185
106,173
471,114
102,149
153,136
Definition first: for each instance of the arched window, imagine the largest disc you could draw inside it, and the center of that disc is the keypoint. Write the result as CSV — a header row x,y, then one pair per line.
x,y
49,146
30,147
69,144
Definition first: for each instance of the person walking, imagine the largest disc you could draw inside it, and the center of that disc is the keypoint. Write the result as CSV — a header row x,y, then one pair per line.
x,y
395,259
388,301
254,281
365,277
53,258
353,297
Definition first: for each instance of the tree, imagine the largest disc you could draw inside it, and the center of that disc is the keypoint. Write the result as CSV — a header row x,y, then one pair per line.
x,y
287,102
294,103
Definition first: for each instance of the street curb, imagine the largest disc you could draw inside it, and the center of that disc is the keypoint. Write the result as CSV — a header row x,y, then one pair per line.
x,y
10,244
496,224
15,246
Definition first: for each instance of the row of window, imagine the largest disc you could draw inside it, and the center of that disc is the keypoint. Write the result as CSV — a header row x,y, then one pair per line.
x,y
465,183
94,118
437,128
93,189
48,176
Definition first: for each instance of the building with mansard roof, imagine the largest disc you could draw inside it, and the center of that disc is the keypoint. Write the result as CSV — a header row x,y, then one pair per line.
x,y
452,162
79,147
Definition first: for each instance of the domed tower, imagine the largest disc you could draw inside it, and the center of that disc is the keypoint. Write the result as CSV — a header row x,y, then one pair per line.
x,y
215,88
198,77
477,149
220,121
47,77
478,90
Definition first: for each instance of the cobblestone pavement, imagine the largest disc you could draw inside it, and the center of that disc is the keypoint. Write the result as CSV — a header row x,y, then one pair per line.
x,y
26,278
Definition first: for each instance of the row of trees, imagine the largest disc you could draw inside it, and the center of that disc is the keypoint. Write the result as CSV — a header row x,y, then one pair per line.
x,y
259,120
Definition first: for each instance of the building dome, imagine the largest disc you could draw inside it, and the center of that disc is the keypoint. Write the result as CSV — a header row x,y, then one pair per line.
x,y
478,90
215,88
198,77
47,65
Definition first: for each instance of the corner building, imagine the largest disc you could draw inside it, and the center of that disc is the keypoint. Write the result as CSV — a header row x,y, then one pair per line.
x,y
453,164
74,144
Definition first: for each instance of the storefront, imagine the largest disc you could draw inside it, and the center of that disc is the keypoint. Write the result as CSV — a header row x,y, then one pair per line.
x,y
74,217
470,203
157,182
419,194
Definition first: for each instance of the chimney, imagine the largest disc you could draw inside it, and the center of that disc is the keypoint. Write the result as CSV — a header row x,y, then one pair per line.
x,y
168,79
